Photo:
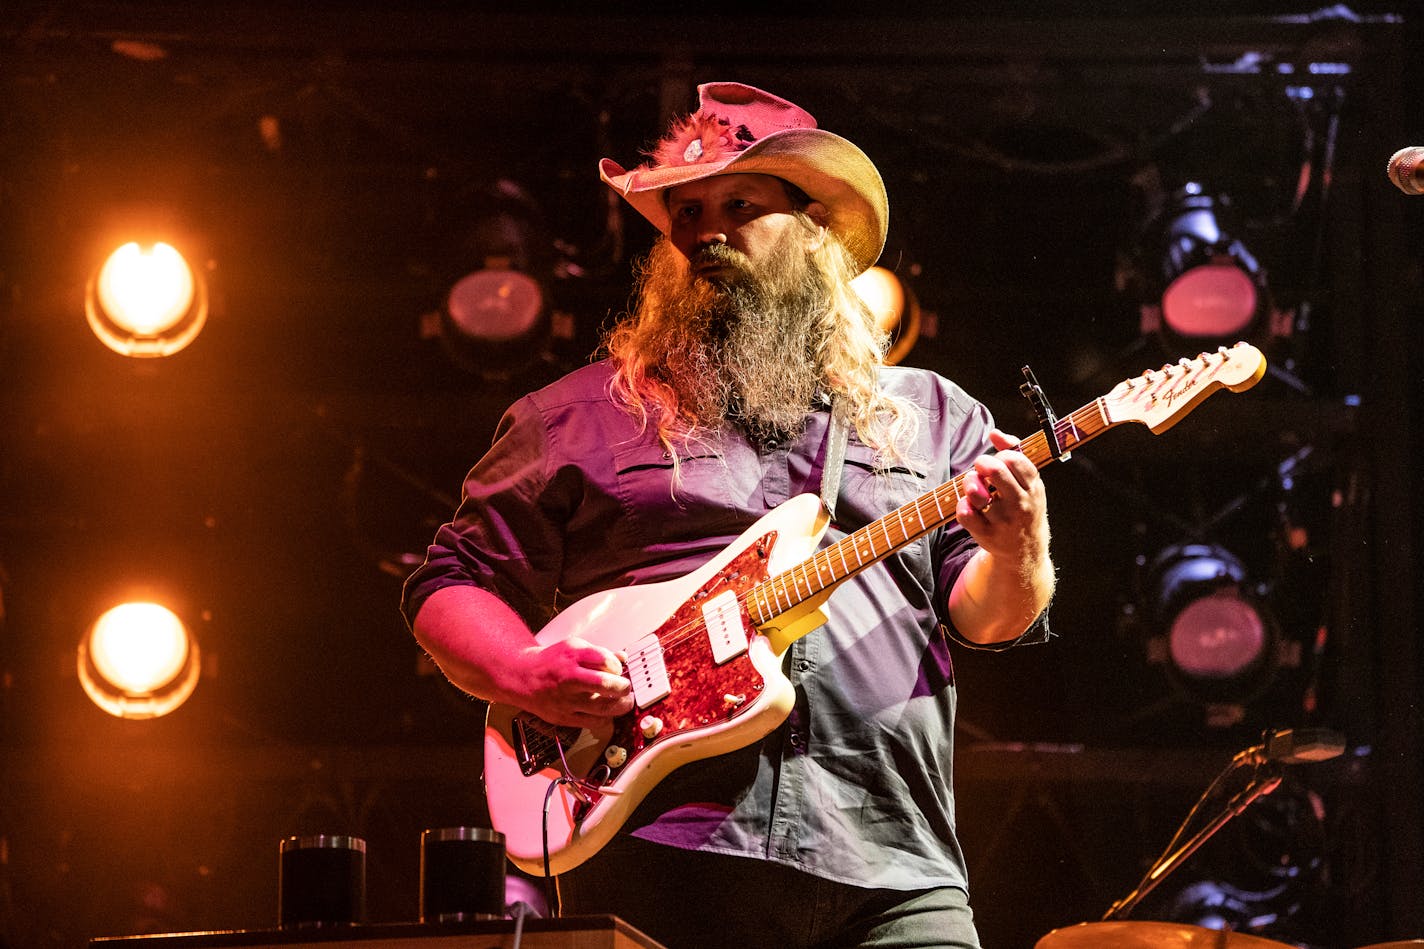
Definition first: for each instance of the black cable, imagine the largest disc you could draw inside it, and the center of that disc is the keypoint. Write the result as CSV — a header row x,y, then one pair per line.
x,y
551,890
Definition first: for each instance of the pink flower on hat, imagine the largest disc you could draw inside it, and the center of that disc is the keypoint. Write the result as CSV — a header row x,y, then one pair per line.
x,y
698,138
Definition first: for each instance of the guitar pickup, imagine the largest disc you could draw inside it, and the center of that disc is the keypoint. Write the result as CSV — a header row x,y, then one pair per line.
x,y
725,632
647,671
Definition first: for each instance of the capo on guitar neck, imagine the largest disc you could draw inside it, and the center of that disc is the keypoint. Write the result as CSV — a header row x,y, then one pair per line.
x,y
1047,421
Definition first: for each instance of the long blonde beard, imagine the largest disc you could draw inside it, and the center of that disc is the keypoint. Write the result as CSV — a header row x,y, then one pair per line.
x,y
741,348
754,346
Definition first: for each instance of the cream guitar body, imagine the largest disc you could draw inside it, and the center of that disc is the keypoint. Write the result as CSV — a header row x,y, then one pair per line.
x,y
723,684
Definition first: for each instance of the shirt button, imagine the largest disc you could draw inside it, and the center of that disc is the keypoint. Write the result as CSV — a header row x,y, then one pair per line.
x,y
803,664
797,741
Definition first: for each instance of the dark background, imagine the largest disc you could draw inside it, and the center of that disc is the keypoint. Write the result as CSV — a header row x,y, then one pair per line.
x,y
273,480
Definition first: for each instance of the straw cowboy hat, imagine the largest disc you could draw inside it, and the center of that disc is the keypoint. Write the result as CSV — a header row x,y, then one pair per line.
x,y
738,129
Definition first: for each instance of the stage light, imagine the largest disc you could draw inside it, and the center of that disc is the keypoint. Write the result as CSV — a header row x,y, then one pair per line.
x,y
1211,630
138,660
496,318
494,321
895,307
1199,283
146,301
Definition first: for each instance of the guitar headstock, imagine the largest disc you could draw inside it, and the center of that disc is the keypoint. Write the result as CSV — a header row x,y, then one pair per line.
x,y
1159,398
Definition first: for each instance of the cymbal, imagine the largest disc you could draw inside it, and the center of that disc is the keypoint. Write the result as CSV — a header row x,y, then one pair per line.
x,y
1133,934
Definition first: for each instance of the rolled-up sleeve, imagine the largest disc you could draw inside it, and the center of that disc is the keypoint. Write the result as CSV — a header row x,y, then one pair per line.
x,y
506,537
954,547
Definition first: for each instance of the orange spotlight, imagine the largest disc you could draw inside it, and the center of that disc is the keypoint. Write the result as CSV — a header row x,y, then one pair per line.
x,y
138,660
145,302
894,307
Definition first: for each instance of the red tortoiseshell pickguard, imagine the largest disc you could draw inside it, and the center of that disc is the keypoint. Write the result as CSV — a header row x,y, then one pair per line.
x,y
699,685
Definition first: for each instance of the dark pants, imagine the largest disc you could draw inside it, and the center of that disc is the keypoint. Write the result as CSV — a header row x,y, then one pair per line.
x,y
691,900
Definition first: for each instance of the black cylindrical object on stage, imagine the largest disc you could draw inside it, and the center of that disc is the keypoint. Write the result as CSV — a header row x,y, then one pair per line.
x,y
461,874
321,881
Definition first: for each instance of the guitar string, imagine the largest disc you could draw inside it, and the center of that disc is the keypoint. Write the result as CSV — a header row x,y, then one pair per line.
x,y
1080,426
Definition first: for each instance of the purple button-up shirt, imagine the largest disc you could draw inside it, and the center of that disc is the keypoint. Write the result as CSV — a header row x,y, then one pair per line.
x,y
574,498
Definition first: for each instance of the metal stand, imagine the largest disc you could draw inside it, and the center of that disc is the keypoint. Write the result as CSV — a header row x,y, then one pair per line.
x,y
1267,778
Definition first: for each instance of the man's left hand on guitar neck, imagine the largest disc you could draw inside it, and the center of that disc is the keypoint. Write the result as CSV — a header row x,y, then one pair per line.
x,y
1010,579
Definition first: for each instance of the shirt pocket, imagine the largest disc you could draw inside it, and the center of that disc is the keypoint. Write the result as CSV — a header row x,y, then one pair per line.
x,y
869,491
662,510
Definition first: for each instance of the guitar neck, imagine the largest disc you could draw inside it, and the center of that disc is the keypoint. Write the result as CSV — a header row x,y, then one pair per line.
x,y
904,525
1158,399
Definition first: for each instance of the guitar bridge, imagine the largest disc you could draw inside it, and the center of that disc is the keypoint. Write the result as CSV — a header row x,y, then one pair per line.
x,y
537,743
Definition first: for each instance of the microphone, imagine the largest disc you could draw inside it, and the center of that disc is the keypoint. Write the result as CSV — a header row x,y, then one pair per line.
x,y
1406,170
1297,746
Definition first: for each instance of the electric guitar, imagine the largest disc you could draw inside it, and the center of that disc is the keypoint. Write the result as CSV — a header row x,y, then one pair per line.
x,y
703,651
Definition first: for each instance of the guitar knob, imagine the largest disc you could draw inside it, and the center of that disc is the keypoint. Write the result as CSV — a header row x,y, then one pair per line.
x,y
616,756
652,726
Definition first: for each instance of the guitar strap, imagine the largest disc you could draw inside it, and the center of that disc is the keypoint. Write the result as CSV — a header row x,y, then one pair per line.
x,y
836,436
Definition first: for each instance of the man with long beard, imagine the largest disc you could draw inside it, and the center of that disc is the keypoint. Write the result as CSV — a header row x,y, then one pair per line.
x,y
748,369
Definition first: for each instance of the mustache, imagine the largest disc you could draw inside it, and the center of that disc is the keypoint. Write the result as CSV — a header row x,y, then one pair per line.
x,y
719,255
